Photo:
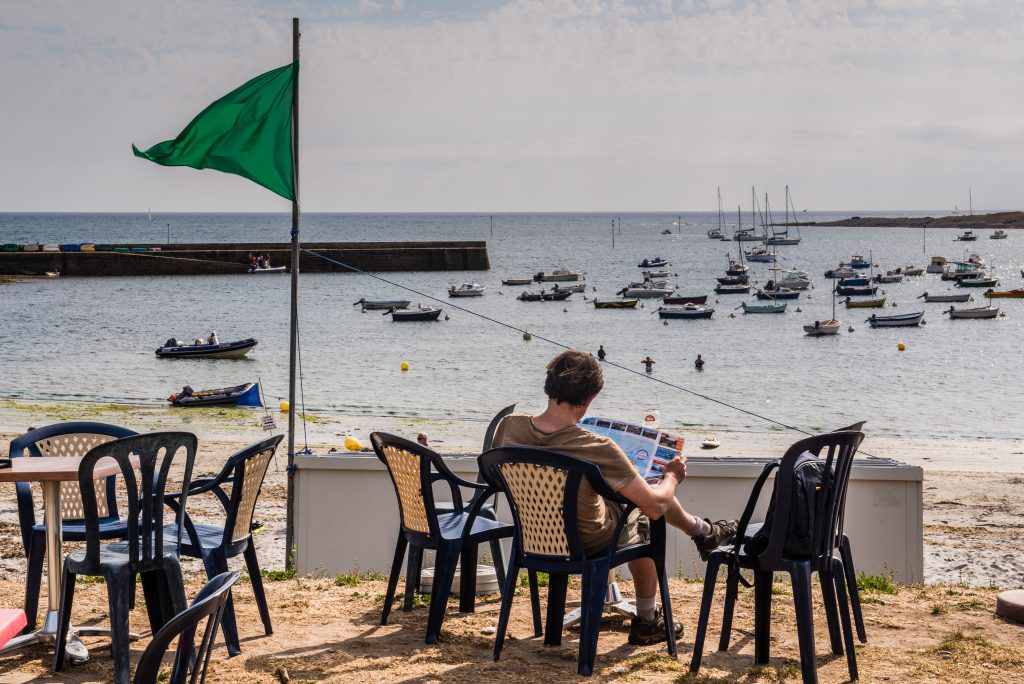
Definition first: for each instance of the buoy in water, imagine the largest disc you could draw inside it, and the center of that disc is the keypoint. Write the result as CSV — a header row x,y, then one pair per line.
x,y
665,322
405,365
850,329
901,346
527,336
353,444
284,407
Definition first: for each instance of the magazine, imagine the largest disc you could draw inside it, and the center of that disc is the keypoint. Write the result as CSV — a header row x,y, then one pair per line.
x,y
648,449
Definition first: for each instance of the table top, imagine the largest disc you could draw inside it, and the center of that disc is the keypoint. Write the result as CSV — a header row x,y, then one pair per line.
x,y
53,469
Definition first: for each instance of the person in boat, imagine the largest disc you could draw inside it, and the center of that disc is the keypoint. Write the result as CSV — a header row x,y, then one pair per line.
x,y
573,380
213,338
649,364
422,439
198,342
252,261
601,353
699,363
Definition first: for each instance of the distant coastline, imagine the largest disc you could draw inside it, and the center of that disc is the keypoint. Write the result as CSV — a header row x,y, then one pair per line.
x,y
1003,219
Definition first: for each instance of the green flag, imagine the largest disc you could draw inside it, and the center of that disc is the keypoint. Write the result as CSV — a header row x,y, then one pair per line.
x,y
247,132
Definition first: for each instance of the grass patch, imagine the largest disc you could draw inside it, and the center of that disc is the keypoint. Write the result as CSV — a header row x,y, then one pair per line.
x,y
524,579
963,649
880,584
418,600
938,609
353,579
702,678
650,662
278,575
973,604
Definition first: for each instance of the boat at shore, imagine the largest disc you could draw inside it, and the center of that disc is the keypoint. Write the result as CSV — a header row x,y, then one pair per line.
x,y
559,276
247,394
974,312
945,298
420,313
685,311
877,303
466,290
615,304
516,282
176,349
899,321
1017,293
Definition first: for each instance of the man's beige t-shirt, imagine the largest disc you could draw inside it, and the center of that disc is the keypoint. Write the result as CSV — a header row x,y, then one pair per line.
x,y
597,518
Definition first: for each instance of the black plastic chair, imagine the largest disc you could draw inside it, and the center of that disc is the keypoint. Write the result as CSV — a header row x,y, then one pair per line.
x,y
839,449
414,469
214,544
541,486
190,661
147,552
63,439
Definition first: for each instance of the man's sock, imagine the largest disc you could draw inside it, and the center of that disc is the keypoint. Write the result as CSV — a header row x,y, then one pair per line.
x,y
703,528
645,608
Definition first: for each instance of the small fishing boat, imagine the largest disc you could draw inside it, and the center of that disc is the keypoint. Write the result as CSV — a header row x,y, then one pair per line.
x,y
382,304
555,295
732,289
559,277
889,278
710,442
910,270
945,298
420,313
516,282
982,280
736,268
761,255
645,292
858,261
733,279
865,291
265,270
176,349
678,300
528,296
466,290
854,282
239,395
1005,294
685,311
841,271
655,262
821,328
975,312
655,275
966,236
899,321
578,287
715,234
865,303
999,234
616,304
794,280
936,265
650,283
768,292
763,308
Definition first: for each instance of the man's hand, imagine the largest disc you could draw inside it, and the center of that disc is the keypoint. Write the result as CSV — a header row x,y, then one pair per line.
x,y
677,466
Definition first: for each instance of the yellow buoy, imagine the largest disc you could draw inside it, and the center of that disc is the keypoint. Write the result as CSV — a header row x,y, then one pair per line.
x,y
284,407
405,365
353,444
901,346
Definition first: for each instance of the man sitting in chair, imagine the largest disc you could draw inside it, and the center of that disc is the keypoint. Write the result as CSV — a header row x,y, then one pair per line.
x,y
574,379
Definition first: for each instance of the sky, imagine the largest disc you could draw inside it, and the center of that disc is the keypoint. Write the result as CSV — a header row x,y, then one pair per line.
x,y
526,105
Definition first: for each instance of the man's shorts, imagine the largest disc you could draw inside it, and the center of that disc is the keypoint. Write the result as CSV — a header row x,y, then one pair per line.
x,y
636,530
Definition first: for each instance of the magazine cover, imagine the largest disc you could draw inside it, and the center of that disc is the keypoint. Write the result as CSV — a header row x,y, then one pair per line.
x,y
649,449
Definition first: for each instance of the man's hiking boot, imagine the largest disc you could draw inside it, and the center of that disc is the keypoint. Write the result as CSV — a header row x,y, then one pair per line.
x,y
646,632
722,532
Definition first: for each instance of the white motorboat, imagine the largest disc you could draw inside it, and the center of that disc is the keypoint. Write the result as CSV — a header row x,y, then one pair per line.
x,y
999,234
937,265
559,277
466,290
910,270
655,275
794,280
945,298
966,236
517,281
974,312
761,255
710,442
820,328
645,292
576,287
889,278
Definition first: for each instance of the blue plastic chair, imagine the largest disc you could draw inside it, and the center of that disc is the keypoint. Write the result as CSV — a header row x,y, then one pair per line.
x,y
63,439
541,486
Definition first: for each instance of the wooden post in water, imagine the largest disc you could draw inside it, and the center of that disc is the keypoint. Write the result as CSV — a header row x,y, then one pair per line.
x,y
613,233
492,225
294,327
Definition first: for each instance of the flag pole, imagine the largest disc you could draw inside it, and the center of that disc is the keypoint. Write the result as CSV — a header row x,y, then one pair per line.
x,y
294,328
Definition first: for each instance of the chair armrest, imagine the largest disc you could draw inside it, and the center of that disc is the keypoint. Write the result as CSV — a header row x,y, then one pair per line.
x,y
477,504
202,486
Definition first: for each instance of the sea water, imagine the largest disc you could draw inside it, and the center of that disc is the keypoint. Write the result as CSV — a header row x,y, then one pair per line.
x,y
93,338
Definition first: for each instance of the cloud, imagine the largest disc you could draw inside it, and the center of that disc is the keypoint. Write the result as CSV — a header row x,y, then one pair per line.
x,y
522,105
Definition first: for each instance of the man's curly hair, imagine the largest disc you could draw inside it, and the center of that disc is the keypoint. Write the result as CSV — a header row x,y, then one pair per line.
x,y
573,377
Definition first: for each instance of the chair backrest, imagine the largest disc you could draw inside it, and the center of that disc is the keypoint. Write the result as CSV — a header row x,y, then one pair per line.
x,y
190,661
492,427
836,450
248,467
410,466
68,439
541,487
156,453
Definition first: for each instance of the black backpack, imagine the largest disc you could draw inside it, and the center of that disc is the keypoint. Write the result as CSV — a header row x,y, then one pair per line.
x,y
808,472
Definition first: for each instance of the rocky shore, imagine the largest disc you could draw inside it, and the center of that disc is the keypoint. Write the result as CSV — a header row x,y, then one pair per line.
x,y
1004,219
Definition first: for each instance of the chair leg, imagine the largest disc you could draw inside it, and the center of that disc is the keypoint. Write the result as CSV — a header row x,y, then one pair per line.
x,y
396,568
666,608
413,572
36,552
762,615
828,596
846,553
444,572
592,595
732,589
151,592
538,628
120,644
800,575
710,575
507,593
498,558
229,626
844,613
558,584
67,597
252,564
467,579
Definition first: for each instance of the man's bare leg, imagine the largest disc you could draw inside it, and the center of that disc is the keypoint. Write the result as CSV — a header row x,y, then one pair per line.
x,y
645,586
676,516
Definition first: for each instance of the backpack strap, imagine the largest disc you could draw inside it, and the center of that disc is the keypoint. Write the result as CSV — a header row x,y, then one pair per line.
x,y
748,512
